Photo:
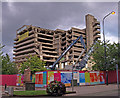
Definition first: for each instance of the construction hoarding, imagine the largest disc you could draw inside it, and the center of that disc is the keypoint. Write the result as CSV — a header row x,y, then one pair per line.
x,y
83,78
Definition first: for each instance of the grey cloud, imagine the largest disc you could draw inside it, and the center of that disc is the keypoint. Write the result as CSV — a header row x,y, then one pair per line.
x,y
52,15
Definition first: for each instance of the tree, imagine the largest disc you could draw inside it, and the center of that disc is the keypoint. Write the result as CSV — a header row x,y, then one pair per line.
x,y
8,67
34,63
1,57
1,49
112,57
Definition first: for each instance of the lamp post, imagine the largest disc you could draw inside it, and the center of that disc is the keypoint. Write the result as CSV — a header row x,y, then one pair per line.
x,y
105,45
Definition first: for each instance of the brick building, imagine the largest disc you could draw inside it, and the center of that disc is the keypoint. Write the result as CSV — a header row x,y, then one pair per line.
x,y
49,44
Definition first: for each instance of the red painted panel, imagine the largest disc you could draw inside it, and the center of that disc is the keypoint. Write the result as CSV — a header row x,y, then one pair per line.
x,y
57,77
101,76
95,77
91,77
36,79
112,76
40,79
10,80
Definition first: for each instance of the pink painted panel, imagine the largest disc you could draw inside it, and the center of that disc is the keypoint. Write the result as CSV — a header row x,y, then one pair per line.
x,y
10,80
57,77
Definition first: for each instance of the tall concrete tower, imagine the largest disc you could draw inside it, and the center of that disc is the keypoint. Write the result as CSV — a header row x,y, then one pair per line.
x,y
92,34
92,30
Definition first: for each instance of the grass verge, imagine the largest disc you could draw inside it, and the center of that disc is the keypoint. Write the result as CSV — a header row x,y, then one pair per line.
x,y
38,92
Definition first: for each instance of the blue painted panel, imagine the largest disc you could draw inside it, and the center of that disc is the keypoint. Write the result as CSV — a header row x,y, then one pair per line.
x,y
82,77
40,85
66,77
44,77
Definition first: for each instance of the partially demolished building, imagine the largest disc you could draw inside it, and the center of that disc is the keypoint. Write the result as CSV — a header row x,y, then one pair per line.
x,y
49,44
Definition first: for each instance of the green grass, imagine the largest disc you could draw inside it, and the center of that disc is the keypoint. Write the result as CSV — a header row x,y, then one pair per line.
x,y
38,92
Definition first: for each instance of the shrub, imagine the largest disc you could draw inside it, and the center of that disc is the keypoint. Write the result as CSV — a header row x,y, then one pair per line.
x,y
56,88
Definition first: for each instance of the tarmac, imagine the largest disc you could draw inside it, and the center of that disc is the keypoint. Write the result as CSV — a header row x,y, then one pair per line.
x,y
95,90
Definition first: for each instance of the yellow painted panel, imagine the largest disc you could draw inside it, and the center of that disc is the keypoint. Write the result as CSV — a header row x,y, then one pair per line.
x,y
67,84
23,36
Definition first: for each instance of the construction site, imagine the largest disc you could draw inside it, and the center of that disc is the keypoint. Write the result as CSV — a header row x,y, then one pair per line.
x,y
48,45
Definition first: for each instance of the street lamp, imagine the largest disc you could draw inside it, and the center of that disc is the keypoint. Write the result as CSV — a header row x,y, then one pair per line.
x,y
105,45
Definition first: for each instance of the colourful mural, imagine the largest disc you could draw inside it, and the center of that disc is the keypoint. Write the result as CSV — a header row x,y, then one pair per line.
x,y
76,77
87,78
33,78
57,76
102,80
66,78
19,80
39,79
94,77
50,76
83,78
44,78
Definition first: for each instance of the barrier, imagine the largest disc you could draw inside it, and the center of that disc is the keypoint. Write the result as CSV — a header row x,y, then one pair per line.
x,y
112,76
10,80
41,79
19,80
83,78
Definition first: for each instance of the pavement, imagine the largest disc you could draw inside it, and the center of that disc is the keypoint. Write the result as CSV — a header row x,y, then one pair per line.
x,y
96,90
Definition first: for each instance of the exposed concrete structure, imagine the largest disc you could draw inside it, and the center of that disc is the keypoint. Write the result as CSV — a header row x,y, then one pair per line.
x,y
49,44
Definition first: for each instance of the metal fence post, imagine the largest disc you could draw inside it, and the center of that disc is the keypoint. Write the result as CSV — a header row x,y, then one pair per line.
x,y
117,75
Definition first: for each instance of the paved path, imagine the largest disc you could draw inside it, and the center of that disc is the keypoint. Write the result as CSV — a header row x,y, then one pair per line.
x,y
98,90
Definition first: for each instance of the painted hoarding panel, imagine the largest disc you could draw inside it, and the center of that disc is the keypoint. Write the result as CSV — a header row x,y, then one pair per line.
x,y
39,79
94,78
44,77
87,78
102,80
22,79
33,78
19,80
36,78
57,76
50,77
9,80
82,78
76,77
66,78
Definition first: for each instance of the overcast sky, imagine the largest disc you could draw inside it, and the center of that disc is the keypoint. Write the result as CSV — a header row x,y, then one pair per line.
x,y
54,15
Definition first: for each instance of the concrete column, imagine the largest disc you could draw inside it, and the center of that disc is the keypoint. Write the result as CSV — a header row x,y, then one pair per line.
x,y
27,74
60,65
40,49
89,30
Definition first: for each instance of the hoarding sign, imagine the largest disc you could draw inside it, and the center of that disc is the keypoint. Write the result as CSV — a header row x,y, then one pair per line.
x,y
66,78
94,78
50,77
82,78
87,78
44,77
57,77
102,80
23,36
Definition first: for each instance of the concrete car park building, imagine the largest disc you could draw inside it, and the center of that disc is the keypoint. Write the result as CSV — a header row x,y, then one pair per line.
x,y
49,44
